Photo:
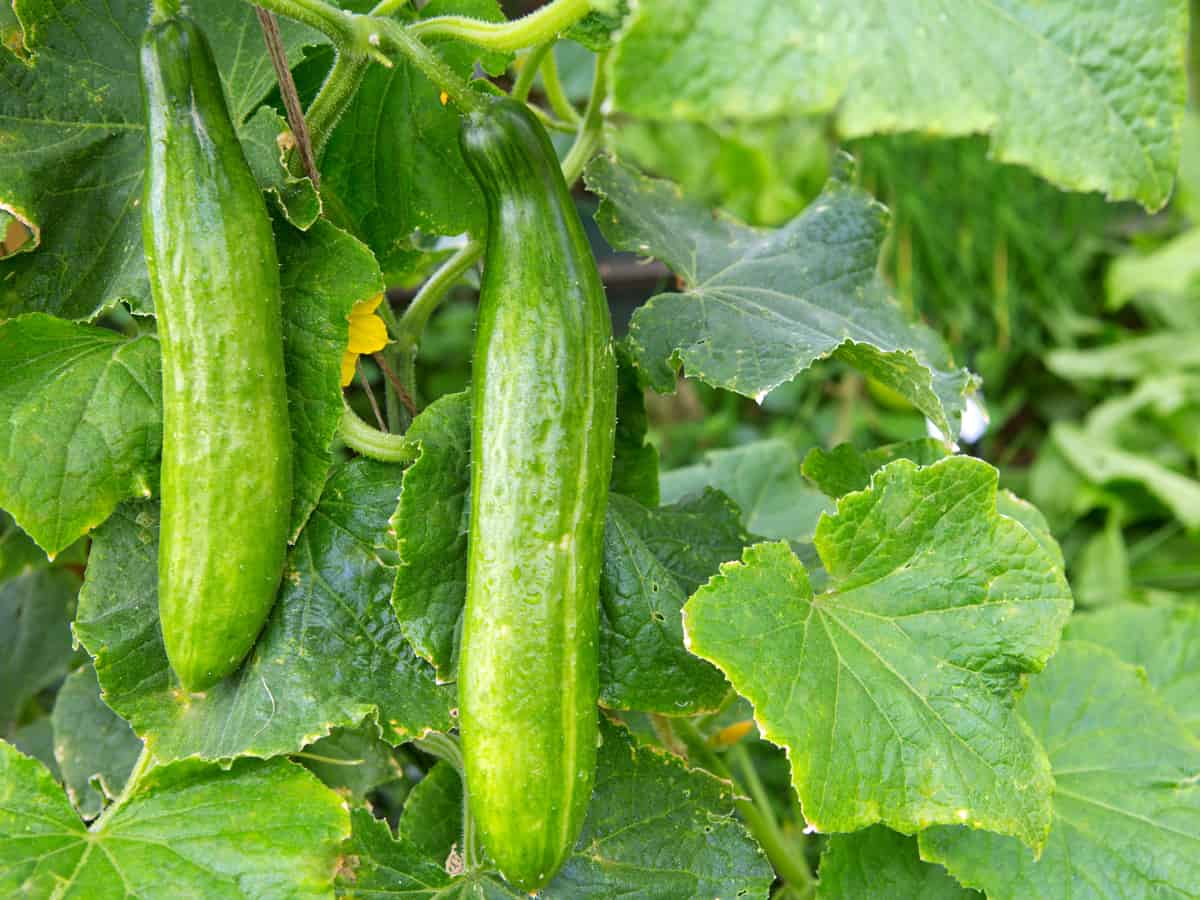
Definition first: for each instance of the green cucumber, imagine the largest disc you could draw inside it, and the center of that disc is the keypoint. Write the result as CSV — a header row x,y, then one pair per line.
x,y
226,465
544,411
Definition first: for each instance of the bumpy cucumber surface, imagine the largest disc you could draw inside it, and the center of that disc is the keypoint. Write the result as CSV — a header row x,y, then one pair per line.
x,y
226,468
544,394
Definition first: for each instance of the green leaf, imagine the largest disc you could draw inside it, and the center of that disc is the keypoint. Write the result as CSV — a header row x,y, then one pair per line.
x,y
892,690
597,30
1163,640
175,836
653,560
879,862
80,429
654,828
19,555
635,464
35,636
845,468
1009,504
330,655
393,163
763,479
324,272
763,306
383,866
1088,96
352,761
37,740
1100,572
95,748
1126,801
295,197
71,129
430,524
432,815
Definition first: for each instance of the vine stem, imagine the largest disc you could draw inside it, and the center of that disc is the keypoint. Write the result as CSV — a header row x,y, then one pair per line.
x,y
559,103
591,128
388,7
539,27
144,763
369,441
445,747
335,94
414,319
529,69
757,815
336,24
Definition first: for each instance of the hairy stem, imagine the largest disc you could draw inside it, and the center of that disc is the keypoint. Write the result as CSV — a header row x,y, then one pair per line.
x,y
559,102
370,441
591,129
328,19
540,26
338,89
412,323
529,69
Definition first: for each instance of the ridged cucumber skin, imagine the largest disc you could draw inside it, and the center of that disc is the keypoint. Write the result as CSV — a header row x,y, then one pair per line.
x,y
544,411
214,275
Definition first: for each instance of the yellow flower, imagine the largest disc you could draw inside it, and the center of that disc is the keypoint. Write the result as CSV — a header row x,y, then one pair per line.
x,y
368,334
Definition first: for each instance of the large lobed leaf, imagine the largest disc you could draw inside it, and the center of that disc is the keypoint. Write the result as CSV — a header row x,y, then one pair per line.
x,y
654,829
1088,94
761,306
1126,798
175,836
80,424
892,690
331,653
72,144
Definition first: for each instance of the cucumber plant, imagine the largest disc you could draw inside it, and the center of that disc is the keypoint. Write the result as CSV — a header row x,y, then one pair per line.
x,y
336,558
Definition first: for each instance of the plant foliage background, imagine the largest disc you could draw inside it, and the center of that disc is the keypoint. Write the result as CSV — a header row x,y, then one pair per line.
x,y
901,588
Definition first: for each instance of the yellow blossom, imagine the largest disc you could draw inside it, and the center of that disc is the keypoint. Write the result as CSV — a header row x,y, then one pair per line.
x,y
368,334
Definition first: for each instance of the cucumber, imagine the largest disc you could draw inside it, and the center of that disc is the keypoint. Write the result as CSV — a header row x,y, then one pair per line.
x,y
544,411
226,463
